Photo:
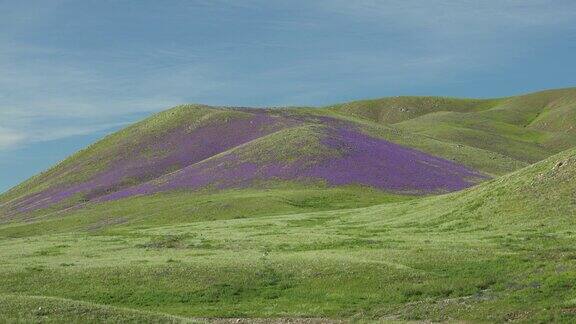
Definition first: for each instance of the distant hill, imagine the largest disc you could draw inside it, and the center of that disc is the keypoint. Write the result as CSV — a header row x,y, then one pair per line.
x,y
205,148
407,145
525,128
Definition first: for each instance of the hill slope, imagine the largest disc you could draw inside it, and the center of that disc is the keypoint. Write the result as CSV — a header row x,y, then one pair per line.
x,y
460,142
500,251
525,128
202,148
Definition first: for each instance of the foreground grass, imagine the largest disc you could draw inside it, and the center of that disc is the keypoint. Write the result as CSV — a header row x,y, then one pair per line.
x,y
317,265
21,308
498,252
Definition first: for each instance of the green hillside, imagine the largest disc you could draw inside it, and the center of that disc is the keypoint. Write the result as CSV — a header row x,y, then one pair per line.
x,y
100,154
525,128
280,249
492,136
499,251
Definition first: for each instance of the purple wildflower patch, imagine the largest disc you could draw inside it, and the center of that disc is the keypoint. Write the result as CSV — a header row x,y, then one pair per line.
x,y
189,160
155,157
364,160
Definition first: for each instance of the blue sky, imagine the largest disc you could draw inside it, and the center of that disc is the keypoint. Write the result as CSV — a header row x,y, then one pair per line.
x,y
72,71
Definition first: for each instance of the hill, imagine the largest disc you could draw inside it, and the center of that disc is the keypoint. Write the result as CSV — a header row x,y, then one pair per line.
x,y
498,251
202,148
525,128
459,142
304,215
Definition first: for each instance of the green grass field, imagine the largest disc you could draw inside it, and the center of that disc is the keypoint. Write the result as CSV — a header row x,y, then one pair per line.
x,y
504,250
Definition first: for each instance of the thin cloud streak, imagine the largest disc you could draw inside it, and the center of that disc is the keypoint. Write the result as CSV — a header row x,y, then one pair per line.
x,y
10,138
59,63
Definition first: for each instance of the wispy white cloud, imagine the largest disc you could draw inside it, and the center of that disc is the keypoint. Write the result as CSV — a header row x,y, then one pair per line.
x,y
249,52
491,31
10,138
40,95
446,15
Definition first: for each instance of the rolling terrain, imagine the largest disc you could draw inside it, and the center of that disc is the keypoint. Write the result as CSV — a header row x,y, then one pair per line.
x,y
394,209
195,148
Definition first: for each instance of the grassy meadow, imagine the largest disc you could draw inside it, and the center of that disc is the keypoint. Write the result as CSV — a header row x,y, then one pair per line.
x,y
503,250
297,251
